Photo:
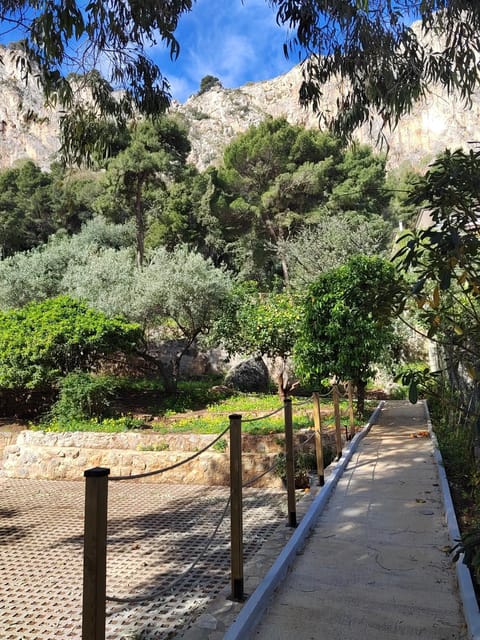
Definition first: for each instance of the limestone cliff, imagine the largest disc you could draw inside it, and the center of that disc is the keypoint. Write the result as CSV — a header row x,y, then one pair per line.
x,y
217,115
30,130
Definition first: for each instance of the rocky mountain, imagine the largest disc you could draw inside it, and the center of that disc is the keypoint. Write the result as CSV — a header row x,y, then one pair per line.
x,y
28,129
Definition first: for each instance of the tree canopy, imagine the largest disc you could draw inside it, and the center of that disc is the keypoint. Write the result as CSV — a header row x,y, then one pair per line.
x,y
260,324
385,64
156,153
276,178
388,63
347,322
443,259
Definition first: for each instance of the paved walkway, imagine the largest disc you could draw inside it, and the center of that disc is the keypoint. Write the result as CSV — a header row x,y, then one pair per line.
x,y
375,567
155,533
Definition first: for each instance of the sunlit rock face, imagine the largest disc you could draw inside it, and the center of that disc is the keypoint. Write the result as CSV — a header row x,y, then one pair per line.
x,y
28,129
216,116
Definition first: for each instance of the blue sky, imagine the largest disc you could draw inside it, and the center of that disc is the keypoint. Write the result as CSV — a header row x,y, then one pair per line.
x,y
234,41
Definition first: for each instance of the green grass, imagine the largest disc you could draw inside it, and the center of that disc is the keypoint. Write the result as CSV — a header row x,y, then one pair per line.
x,y
108,425
198,396
246,403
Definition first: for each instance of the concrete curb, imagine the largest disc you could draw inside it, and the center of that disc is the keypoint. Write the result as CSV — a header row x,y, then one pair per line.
x,y
253,609
465,585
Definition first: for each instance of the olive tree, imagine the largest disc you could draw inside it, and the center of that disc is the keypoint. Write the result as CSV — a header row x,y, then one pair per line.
x,y
331,242
177,295
45,271
184,291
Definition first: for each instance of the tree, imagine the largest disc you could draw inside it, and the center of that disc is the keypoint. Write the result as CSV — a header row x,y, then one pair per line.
x,y
26,208
118,36
185,215
207,83
276,178
44,272
331,242
347,322
184,292
156,153
35,204
73,196
443,259
261,324
383,61
175,297
177,294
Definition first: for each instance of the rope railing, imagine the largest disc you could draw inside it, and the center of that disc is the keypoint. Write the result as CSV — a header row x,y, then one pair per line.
x,y
268,415
147,474
301,403
325,395
253,481
95,556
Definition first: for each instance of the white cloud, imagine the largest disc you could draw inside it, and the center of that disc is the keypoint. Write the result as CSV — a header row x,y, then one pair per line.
x,y
235,42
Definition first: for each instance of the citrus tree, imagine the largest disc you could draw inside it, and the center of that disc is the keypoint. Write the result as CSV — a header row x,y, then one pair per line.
x,y
347,322
261,324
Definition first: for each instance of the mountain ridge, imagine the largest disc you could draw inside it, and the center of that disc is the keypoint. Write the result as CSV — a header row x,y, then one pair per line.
x,y
29,129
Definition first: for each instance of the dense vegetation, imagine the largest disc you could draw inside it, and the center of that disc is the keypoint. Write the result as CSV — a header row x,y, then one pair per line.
x,y
280,252
189,256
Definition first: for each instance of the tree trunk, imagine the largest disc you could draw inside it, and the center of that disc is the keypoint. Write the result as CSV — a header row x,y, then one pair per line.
x,y
282,392
139,225
361,387
165,372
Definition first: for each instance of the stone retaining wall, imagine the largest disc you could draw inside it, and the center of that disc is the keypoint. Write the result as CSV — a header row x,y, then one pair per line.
x,y
6,439
65,456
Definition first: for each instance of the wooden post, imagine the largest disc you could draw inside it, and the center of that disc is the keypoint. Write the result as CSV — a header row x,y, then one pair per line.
x,y
350,408
290,463
338,424
236,517
317,421
95,554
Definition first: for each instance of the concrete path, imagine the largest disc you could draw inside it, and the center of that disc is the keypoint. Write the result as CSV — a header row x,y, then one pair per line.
x,y
375,567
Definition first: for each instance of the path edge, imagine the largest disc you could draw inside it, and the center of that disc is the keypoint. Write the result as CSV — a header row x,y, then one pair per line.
x,y
467,592
251,612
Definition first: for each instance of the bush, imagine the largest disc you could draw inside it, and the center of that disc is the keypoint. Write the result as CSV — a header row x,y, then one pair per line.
x,y
305,463
109,425
43,341
84,396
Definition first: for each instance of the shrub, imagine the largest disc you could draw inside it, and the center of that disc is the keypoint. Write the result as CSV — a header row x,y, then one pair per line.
x,y
109,425
84,396
43,341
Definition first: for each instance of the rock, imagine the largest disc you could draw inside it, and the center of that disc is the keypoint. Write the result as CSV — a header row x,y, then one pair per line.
x,y
222,390
249,375
28,129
